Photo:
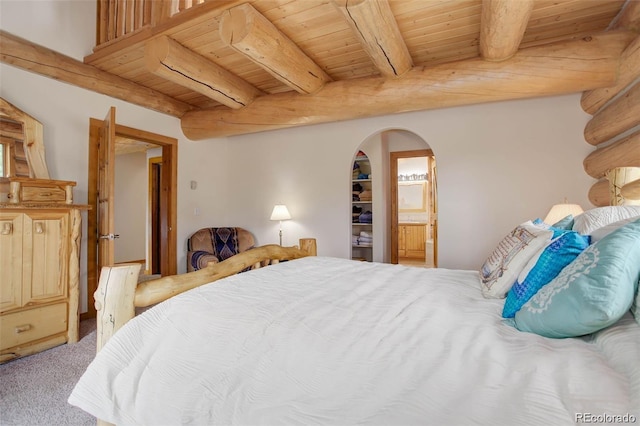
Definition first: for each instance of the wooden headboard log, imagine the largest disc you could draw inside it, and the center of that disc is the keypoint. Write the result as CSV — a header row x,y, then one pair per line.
x,y
118,292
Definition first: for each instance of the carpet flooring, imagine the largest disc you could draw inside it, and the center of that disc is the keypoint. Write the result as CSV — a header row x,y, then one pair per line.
x,y
34,389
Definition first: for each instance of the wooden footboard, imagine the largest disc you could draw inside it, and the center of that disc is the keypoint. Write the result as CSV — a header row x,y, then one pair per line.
x,y
118,292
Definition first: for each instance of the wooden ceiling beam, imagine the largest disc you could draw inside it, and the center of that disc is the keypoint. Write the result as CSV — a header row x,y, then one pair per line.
x,y
593,100
375,26
566,67
244,29
168,59
628,18
502,26
24,54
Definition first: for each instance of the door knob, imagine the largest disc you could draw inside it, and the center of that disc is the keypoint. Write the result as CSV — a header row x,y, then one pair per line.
x,y
109,236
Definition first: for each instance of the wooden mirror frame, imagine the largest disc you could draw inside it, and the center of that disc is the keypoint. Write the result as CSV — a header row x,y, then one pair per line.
x,y
32,140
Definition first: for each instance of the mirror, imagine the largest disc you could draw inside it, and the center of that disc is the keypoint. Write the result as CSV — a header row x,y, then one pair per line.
x,y
21,144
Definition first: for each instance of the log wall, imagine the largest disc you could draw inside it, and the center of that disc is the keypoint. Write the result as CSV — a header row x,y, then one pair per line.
x,y
614,130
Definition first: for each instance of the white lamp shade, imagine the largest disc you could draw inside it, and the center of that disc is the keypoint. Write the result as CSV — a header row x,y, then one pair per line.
x,y
280,212
560,211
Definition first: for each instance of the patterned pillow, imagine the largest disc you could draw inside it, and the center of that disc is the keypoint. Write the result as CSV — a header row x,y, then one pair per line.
x,y
565,223
543,267
591,293
501,269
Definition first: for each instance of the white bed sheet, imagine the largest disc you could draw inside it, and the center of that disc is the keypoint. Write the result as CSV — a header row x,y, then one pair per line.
x,y
335,342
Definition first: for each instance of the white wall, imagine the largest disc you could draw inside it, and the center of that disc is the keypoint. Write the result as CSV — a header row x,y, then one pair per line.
x,y
498,164
64,110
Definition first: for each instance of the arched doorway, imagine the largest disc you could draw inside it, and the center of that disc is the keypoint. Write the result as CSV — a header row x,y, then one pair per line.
x,y
380,148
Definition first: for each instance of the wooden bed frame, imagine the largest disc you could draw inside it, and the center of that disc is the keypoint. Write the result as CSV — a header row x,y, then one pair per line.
x,y
119,293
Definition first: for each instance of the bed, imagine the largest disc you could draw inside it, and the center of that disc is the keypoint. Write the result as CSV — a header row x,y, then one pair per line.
x,y
322,340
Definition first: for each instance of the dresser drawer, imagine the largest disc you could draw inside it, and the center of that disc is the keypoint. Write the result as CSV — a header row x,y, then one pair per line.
x,y
29,325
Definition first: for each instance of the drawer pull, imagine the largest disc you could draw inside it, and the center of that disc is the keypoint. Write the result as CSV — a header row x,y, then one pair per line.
x,y
39,228
6,228
23,328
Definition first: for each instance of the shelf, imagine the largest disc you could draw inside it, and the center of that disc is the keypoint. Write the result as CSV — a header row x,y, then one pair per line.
x,y
362,181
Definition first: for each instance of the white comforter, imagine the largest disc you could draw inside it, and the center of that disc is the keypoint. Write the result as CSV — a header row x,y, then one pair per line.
x,y
337,342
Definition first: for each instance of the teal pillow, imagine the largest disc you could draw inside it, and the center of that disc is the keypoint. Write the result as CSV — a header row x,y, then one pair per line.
x,y
635,308
565,223
589,294
544,267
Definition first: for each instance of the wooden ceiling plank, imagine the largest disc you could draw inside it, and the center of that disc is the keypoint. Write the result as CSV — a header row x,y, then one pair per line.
x,y
443,30
622,153
375,27
558,38
595,21
568,31
275,10
593,100
407,11
502,27
168,59
569,67
549,8
251,34
585,12
468,32
422,20
30,56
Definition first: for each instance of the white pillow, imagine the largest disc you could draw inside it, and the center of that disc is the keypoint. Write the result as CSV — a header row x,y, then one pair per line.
x,y
500,271
602,232
593,219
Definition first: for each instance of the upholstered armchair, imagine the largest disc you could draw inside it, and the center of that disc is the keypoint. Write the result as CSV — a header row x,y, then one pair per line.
x,y
215,245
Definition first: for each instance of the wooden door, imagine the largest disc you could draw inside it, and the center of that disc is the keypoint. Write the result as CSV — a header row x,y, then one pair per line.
x,y
99,198
106,180
433,212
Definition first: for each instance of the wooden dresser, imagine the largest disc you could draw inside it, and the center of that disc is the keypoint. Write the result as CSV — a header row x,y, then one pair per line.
x,y
39,276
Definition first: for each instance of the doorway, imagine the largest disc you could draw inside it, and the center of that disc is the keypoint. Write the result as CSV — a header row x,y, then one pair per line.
x,y
104,133
155,188
413,195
